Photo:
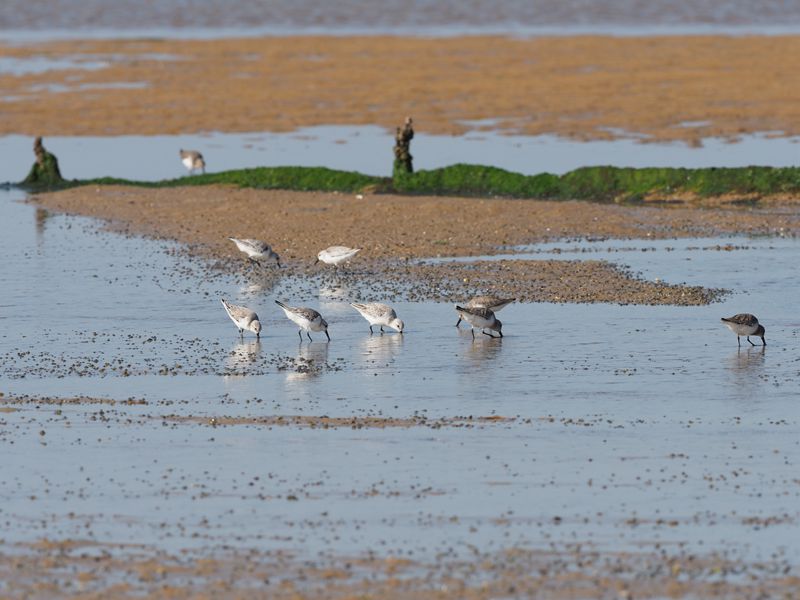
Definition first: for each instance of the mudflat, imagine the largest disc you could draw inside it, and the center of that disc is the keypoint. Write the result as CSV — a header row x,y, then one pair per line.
x,y
584,87
393,231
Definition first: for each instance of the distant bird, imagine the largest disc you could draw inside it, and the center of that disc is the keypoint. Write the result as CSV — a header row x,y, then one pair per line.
x,y
192,160
306,318
256,250
745,324
243,318
482,318
493,303
336,254
379,314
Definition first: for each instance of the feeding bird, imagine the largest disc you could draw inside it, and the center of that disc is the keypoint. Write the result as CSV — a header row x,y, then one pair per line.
x,y
256,250
482,318
493,303
243,318
745,324
306,318
379,314
336,254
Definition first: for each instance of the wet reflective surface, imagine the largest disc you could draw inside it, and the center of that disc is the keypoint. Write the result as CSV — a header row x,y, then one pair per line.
x,y
175,18
368,150
625,427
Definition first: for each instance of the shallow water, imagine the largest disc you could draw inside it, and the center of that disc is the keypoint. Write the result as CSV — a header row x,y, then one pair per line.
x,y
368,150
619,411
20,19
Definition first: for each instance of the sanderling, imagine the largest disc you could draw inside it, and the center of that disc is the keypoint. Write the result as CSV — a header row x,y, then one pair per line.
x,y
746,325
243,318
256,250
379,314
192,160
482,318
306,318
336,254
493,303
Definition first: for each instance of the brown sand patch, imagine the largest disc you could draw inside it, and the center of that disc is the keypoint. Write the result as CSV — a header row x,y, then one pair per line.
x,y
300,224
394,230
582,87
79,570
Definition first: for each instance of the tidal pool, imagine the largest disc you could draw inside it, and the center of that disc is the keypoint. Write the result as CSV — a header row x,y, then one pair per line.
x,y
368,149
625,427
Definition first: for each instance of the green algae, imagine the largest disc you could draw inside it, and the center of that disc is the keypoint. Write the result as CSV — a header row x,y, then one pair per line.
x,y
600,183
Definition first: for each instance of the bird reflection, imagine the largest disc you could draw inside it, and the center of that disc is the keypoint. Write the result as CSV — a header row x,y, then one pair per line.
x,y
483,348
243,355
746,364
380,348
259,286
311,361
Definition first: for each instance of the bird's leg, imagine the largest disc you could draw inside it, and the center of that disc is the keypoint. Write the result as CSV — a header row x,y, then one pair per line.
x,y
382,329
458,322
309,337
241,333
751,343
763,341
489,334
739,340
472,331
300,333
370,330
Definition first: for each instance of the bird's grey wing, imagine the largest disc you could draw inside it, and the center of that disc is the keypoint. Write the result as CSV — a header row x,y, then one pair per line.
x,y
744,319
306,313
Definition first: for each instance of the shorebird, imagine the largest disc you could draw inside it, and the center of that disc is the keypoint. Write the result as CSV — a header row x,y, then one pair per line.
x,y
192,160
745,324
482,318
306,318
336,254
493,303
243,318
256,250
379,314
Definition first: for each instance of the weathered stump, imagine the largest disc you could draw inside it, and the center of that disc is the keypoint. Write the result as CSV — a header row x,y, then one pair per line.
x,y
403,161
45,171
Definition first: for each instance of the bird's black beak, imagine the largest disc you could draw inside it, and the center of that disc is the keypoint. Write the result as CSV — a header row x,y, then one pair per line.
x,y
316,261
328,336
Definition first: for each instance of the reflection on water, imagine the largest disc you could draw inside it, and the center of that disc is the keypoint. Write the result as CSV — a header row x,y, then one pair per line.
x,y
311,361
747,366
242,355
482,349
380,349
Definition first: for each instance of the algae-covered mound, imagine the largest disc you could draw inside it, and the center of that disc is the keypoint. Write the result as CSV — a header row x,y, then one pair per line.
x,y
45,171
318,179
600,183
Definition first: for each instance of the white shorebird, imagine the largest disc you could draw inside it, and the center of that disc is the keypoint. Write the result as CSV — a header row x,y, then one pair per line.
x,y
256,250
379,314
493,303
482,318
745,324
336,254
306,318
193,160
243,318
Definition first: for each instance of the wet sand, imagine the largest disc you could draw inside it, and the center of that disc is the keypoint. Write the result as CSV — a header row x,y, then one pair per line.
x,y
585,87
394,231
